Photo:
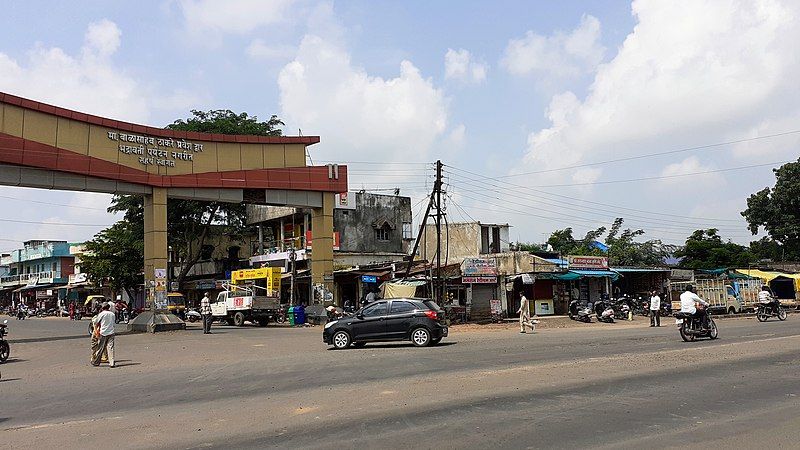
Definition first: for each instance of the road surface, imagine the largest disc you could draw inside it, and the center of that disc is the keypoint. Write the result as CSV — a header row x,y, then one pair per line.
x,y
620,386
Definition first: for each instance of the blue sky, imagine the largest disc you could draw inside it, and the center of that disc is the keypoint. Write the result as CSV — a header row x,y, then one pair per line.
x,y
494,89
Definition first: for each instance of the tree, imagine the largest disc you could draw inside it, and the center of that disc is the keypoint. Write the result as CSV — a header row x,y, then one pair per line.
x,y
777,210
705,249
623,248
190,224
527,247
115,255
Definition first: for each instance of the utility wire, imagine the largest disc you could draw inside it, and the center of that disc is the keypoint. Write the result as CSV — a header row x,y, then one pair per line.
x,y
652,155
552,194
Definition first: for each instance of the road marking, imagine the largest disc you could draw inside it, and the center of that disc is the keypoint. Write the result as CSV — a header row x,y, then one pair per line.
x,y
39,426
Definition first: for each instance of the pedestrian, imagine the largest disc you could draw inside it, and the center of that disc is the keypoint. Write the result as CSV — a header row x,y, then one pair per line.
x,y
655,309
525,314
371,297
205,311
104,331
71,310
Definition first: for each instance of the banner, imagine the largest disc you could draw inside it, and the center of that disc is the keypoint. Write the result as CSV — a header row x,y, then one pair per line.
x,y
479,267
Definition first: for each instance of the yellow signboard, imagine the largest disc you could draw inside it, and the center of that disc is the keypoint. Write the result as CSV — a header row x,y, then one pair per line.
x,y
272,275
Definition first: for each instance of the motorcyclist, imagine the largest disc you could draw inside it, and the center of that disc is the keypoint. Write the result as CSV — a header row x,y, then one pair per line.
x,y
765,298
689,303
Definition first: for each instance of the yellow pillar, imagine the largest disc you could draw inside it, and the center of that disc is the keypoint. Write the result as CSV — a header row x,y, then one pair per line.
x,y
155,248
322,244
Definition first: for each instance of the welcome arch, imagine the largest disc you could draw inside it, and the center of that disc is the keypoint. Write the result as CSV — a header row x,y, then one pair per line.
x,y
44,146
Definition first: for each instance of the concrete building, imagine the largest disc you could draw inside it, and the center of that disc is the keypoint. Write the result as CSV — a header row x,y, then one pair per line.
x,y
464,240
38,272
368,229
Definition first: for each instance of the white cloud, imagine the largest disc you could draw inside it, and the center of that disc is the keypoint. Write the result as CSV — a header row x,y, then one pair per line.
x,y
259,49
459,65
689,73
559,55
690,165
457,137
89,81
103,37
233,16
358,115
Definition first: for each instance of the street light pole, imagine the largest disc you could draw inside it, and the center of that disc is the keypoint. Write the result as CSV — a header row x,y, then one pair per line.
x,y
293,259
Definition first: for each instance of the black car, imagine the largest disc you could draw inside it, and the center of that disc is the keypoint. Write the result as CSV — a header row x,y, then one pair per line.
x,y
420,321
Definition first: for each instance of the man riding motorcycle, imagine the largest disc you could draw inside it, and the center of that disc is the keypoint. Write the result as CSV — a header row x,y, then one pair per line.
x,y
766,299
689,303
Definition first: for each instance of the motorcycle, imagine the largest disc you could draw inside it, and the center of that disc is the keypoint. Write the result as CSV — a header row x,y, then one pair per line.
x,y
281,316
604,312
691,327
5,349
193,316
766,310
579,313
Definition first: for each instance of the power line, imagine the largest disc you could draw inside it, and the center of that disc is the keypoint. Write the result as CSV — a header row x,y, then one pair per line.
x,y
51,203
552,194
651,155
56,224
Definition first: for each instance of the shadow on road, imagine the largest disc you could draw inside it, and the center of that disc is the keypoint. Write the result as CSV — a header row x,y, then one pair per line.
x,y
397,345
9,379
14,360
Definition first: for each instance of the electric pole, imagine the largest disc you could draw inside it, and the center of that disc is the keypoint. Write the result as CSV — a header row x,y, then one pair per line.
x,y
438,189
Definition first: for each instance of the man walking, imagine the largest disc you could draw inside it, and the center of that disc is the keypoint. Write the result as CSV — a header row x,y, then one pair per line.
x,y
104,326
655,310
205,311
525,314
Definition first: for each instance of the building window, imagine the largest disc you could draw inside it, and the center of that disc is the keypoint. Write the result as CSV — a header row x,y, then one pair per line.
x,y
382,233
407,231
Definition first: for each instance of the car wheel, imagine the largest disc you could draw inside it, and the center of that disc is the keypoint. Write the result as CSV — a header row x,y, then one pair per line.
x,y
238,319
341,340
420,337
436,341
359,344
731,311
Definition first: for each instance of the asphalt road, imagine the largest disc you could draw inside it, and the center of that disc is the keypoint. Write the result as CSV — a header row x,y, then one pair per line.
x,y
621,385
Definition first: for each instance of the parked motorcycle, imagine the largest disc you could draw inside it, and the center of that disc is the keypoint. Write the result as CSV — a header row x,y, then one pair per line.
x,y
691,327
579,312
5,349
193,316
766,310
604,312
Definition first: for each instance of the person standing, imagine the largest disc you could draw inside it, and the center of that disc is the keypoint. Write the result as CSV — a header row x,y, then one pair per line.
x,y
71,310
104,326
205,311
525,314
655,310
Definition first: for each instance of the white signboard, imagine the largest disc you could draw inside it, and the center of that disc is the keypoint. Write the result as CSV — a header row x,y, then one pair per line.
x,y
345,200
588,262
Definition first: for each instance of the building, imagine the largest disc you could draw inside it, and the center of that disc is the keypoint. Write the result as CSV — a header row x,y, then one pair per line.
x,y
38,273
464,240
369,229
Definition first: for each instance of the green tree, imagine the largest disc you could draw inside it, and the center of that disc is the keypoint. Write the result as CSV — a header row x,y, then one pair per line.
x,y
526,247
225,121
777,210
624,250
114,256
564,243
705,249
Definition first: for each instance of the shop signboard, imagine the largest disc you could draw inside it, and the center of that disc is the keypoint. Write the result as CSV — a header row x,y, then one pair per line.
x,y
369,279
479,267
588,262
345,200
77,278
496,306
336,239
681,275
479,280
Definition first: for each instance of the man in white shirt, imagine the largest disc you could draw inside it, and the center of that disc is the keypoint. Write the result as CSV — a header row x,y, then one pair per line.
x,y
655,310
205,311
104,326
525,314
689,302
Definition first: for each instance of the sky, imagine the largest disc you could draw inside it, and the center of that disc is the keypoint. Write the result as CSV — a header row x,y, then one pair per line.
x,y
546,115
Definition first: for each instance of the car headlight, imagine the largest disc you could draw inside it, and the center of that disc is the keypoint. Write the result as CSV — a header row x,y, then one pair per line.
x,y
330,324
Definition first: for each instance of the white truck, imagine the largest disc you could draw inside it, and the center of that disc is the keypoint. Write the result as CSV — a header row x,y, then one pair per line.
x,y
237,304
723,296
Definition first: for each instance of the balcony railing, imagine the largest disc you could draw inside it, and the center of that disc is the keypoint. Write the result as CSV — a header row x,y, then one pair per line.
x,y
25,278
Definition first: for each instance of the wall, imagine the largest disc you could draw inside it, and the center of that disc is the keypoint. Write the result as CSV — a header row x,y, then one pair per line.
x,y
464,242
355,226
263,213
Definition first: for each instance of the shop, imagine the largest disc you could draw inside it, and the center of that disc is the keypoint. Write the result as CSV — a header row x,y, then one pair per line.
x,y
640,281
479,275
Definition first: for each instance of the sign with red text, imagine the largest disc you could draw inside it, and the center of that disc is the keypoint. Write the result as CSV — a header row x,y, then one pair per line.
x,y
588,262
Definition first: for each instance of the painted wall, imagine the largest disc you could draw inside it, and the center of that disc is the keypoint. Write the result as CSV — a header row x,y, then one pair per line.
x,y
357,226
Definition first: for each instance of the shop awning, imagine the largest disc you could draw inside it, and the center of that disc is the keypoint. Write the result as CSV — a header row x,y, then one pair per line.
x,y
576,274
637,270
34,288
